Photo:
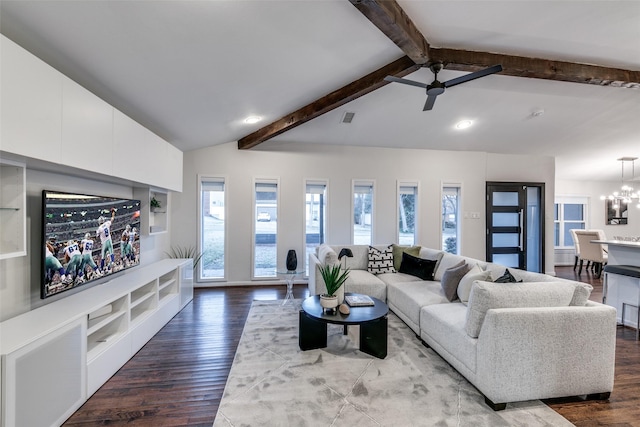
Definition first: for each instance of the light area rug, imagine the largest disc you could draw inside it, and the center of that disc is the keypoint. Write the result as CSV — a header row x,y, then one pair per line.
x,y
274,383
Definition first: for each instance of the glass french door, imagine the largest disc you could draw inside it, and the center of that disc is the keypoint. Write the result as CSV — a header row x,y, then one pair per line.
x,y
515,226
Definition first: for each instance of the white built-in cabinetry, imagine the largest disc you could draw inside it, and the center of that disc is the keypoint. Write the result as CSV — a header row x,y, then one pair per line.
x,y
31,104
49,117
56,356
13,212
87,130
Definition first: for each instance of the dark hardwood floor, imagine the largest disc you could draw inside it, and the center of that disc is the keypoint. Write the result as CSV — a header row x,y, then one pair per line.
x,y
177,378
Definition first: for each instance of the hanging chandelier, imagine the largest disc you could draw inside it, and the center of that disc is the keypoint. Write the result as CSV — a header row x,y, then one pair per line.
x,y
626,195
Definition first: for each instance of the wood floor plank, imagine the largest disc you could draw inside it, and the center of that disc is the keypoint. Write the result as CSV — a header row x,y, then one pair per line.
x,y
178,377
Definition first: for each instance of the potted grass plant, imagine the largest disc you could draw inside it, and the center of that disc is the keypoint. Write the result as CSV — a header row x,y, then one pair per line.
x,y
185,252
334,277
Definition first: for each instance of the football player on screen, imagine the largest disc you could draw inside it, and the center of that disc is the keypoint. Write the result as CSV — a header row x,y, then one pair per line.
x,y
86,247
52,264
124,246
73,256
132,239
104,232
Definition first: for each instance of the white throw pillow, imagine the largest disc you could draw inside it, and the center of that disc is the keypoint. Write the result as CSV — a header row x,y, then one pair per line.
x,y
326,255
380,260
581,294
464,287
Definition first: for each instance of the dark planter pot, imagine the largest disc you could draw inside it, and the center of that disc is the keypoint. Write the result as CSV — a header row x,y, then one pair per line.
x,y
292,260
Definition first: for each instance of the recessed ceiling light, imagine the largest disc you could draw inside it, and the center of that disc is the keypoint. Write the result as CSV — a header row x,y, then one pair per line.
x,y
252,119
463,124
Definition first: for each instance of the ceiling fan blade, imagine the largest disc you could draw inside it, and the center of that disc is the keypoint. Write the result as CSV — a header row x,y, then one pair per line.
x,y
405,81
431,99
473,76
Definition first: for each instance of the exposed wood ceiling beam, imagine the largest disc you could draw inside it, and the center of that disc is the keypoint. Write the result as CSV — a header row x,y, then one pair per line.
x,y
519,66
335,99
389,17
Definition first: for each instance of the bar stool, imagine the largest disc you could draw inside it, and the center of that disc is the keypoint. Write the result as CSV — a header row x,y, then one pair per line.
x,y
623,270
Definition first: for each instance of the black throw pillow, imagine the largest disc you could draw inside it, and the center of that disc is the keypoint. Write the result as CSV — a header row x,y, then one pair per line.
x,y
507,277
419,267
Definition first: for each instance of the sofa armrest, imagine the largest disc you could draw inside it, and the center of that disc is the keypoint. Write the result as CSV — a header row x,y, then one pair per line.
x,y
316,282
546,352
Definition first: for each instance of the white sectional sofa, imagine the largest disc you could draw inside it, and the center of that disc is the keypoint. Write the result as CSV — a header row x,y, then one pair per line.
x,y
537,338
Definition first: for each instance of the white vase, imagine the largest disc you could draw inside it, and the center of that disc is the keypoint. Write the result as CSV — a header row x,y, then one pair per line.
x,y
328,301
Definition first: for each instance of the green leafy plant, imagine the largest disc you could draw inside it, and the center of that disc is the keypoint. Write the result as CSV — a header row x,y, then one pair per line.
x,y
185,252
155,203
333,277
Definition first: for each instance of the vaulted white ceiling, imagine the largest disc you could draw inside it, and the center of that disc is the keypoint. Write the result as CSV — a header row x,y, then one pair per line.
x,y
191,71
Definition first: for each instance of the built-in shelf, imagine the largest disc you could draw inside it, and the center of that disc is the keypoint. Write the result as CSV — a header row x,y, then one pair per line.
x,y
153,220
106,335
140,311
104,325
168,286
158,217
13,217
97,323
143,301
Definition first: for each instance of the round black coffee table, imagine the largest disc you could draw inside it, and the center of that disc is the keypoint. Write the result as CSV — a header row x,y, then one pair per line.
x,y
371,319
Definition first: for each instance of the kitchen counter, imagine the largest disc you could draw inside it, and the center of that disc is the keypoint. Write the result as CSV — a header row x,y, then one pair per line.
x,y
622,252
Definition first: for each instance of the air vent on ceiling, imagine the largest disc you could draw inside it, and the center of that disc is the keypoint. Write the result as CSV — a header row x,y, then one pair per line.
x,y
347,117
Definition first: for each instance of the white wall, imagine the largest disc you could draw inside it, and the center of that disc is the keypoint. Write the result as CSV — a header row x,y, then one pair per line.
x,y
20,277
596,212
294,163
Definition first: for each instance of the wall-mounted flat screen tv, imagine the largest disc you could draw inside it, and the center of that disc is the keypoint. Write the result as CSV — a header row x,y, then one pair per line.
x,y
86,238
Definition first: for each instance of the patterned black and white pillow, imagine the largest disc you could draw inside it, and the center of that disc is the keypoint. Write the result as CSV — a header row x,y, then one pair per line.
x,y
380,261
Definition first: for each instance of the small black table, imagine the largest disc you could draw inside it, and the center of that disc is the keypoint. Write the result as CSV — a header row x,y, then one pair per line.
x,y
372,321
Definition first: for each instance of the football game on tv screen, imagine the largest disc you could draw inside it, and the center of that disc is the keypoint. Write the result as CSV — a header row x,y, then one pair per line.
x,y
87,238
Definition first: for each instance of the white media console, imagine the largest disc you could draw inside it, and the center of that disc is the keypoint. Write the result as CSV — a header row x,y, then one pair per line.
x,y
56,356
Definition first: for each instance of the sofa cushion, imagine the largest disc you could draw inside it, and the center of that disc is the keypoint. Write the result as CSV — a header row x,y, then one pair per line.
x,y
422,268
487,295
380,260
429,253
326,255
409,297
397,253
464,287
451,279
360,258
363,282
389,278
445,324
